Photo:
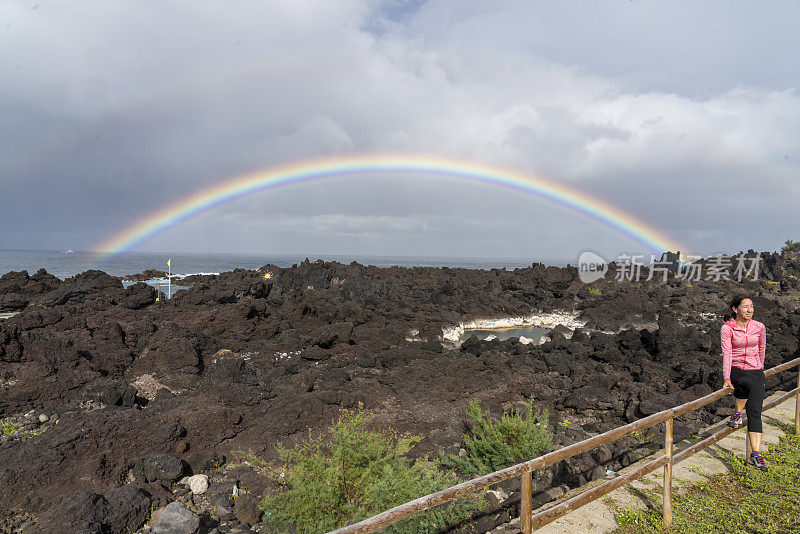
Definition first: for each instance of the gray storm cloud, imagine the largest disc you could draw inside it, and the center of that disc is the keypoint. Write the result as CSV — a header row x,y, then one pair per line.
x,y
685,115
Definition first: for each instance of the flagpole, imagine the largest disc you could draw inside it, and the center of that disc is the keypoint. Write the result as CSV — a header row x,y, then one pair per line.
x,y
169,278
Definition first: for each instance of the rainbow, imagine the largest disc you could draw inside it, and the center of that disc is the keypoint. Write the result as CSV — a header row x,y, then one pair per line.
x,y
382,165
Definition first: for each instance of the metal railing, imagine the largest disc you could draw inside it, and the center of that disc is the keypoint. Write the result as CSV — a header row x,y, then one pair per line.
x,y
525,470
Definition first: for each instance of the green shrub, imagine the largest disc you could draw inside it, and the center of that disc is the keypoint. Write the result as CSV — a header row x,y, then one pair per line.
x,y
356,474
495,444
595,292
791,246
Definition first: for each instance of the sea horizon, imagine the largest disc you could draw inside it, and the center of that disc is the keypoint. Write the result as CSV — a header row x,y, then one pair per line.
x,y
64,265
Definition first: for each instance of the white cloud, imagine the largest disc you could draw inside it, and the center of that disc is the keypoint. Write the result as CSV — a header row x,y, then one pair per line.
x,y
641,104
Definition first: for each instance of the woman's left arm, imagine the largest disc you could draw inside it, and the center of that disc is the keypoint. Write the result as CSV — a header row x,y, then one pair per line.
x,y
762,345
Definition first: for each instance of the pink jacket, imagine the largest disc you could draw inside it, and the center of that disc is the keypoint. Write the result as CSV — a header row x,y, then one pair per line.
x,y
742,347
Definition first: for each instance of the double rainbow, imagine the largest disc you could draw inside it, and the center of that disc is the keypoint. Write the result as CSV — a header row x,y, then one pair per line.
x,y
381,166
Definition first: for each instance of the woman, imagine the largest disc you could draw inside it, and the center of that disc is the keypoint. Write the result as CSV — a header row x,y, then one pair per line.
x,y
744,344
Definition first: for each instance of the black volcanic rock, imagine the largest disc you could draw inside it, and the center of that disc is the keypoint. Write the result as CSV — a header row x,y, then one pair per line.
x,y
138,295
17,289
76,288
172,353
12,302
122,509
157,467
147,274
327,336
239,362
84,512
226,288
112,392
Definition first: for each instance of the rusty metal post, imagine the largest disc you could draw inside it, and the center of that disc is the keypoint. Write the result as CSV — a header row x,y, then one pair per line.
x,y
526,504
667,504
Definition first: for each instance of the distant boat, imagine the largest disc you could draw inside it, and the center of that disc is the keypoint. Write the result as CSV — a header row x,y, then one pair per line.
x,y
70,251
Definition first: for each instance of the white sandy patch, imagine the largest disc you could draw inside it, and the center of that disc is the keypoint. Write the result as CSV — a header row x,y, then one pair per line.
x,y
147,386
413,335
541,320
287,355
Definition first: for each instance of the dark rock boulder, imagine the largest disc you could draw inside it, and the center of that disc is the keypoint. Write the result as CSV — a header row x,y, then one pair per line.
x,y
12,302
172,353
668,336
138,296
93,280
247,509
472,345
315,354
122,509
112,393
366,360
176,519
76,288
220,493
226,288
13,281
84,512
17,289
559,330
147,274
657,403
329,335
227,367
127,508
35,318
157,467
586,398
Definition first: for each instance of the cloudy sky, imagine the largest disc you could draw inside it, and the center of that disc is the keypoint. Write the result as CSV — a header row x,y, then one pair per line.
x,y
684,114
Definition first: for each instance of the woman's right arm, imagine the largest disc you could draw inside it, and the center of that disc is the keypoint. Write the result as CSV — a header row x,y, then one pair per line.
x,y
727,354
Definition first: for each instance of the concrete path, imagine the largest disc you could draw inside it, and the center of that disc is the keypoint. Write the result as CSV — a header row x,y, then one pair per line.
x,y
598,516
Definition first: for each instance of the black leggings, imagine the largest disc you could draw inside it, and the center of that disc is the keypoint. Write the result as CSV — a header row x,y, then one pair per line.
x,y
750,385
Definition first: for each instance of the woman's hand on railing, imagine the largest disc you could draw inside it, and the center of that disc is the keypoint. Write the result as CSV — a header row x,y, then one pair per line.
x,y
727,385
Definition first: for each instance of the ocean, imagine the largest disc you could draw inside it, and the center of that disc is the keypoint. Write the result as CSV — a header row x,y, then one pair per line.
x,y
64,265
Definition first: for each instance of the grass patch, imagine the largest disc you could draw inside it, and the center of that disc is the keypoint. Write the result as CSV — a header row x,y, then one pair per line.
x,y
248,457
9,426
493,444
745,500
640,437
353,475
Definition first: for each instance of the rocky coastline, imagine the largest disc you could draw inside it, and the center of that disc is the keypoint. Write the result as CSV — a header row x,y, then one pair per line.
x,y
117,402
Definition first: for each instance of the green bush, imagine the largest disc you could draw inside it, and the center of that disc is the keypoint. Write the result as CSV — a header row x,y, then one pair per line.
x,y
356,474
791,246
495,444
